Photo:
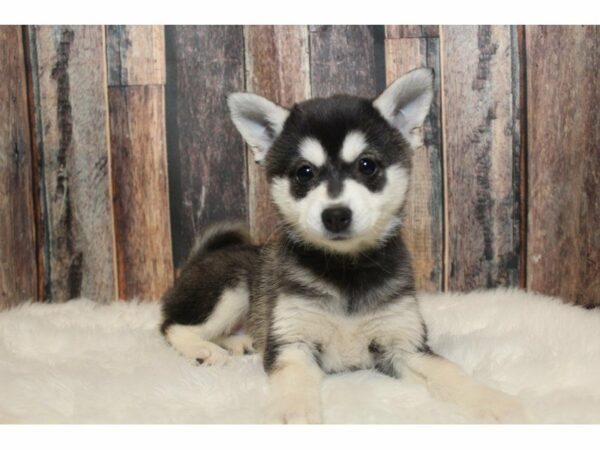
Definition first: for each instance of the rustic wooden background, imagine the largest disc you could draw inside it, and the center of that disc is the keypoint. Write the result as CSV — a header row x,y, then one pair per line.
x,y
116,149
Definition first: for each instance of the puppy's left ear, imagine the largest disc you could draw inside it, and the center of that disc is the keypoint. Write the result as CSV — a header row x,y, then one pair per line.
x,y
406,102
259,121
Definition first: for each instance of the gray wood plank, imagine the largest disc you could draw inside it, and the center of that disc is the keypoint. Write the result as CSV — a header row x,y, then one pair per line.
x,y
206,155
481,155
135,54
343,60
71,117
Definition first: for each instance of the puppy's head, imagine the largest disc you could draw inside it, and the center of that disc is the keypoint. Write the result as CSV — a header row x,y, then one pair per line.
x,y
338,167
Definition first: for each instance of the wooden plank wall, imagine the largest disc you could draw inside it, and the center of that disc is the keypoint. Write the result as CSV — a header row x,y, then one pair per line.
x,y
71,126
136,82
116,149
18,266
480,101
563,109
207,161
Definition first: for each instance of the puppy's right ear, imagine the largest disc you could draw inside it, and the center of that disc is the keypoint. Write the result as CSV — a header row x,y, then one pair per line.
x,y
258,120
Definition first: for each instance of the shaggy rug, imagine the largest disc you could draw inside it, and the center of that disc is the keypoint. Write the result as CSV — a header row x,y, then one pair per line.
x,y
83,362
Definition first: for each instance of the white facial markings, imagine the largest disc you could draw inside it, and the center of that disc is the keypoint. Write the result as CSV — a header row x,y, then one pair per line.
x,y
312,151
374,214
354,144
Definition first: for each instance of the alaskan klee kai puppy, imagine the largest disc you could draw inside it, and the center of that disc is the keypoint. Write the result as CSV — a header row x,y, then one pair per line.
x,y
335,291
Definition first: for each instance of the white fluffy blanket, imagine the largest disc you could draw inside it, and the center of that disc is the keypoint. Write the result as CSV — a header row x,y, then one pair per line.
x,y
83,362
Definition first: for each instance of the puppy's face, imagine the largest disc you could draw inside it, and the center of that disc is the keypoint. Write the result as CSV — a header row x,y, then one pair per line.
x,y
338,167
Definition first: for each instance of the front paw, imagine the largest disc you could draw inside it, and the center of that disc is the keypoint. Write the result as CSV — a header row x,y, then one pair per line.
x,y
497,407
294,410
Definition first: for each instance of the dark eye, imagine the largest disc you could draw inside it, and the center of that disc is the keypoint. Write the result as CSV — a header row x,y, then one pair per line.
x,y
367,166
305,173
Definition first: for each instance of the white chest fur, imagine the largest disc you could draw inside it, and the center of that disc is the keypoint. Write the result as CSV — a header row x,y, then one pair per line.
x,y
343,339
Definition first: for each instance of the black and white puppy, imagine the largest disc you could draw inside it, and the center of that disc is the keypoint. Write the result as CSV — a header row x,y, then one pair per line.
x,y
335,291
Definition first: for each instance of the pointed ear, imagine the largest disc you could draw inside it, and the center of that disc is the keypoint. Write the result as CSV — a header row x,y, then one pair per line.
x,y
405,103
258,120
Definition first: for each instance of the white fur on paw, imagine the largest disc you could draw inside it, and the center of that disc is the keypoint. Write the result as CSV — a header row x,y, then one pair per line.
x,y
209,354
294,410
496,407
238,344
190,344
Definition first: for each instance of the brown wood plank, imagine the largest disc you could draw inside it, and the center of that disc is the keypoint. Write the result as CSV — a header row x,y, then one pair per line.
x,y
136,68
342,60
72,140
135,54
563,86
277,67
480,101
207,158
423,223
411,31
140,191
18,269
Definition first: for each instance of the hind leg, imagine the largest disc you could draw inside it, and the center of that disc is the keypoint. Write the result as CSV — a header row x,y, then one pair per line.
x,y
199,342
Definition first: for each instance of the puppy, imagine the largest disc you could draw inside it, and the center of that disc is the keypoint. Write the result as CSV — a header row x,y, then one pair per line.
x,y
335,290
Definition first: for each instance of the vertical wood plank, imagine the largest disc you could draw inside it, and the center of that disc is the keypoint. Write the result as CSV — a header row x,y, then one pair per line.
x,y
423,223
135,54
411,31
481,154
343,60
18,270
136,67
563,86
140,187
207,158
72,140
139,161
277,67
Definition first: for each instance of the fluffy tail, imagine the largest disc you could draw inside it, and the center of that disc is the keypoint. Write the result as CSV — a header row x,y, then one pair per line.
x,y
221,235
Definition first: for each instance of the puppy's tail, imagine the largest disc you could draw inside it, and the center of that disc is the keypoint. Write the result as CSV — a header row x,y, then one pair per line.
x,y
219,236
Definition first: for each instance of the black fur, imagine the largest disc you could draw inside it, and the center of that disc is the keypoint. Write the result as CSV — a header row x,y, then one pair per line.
x,y
356,276
271,353
228,258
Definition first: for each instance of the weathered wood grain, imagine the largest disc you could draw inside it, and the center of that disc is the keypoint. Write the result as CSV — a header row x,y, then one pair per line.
x,y
135,54
411,31
41,229
18,271
523,173
480,101
72,140
343,60
423,223
277,67
207,158
140,191
136,68
563,88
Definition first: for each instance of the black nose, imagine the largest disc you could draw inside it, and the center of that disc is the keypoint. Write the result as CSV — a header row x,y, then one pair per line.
x,y
337,219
